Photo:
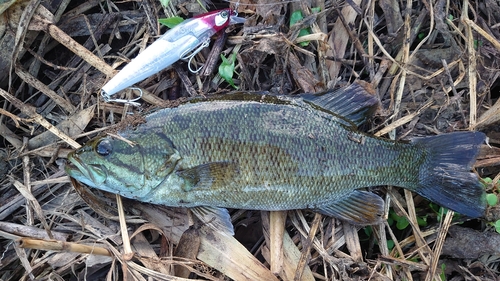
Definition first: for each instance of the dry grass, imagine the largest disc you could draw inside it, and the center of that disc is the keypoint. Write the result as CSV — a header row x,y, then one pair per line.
x,y
434,65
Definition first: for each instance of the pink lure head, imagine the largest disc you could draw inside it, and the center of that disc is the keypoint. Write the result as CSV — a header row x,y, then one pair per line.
x,y
220,19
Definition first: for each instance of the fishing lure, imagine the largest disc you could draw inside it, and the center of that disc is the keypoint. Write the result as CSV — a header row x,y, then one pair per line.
x,y
181,42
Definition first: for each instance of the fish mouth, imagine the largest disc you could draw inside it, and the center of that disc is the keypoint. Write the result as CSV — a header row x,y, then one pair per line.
x,y
90,174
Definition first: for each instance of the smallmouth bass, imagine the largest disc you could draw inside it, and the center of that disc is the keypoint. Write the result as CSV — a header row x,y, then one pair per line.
x,y
279,153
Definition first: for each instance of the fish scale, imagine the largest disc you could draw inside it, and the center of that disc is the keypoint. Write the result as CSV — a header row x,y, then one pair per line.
x,y
325,163
281,153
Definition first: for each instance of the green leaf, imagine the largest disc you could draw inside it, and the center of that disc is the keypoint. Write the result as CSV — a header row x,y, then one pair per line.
x,y
497,226
478,43
164,3
492,199
434,207
422,221
442,212
402,223
393,215
171,22
316,10
296,17
390,244
226,69
487,180
442,274
368,230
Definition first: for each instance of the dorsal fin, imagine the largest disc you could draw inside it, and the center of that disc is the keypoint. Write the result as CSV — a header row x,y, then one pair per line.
x,y
354,102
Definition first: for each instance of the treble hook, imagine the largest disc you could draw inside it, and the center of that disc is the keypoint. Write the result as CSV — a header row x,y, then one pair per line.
x,y
132,102
190,56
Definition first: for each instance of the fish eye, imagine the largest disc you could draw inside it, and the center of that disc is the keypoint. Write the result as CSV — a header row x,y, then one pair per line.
x,y
221,18
104,148
224,14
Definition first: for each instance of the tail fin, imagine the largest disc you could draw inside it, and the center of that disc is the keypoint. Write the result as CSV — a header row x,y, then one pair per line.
x,y
445,177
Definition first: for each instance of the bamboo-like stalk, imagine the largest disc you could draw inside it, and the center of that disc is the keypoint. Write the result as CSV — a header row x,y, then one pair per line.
x,y
62,246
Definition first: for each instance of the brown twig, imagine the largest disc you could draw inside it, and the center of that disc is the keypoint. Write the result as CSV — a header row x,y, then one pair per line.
x,y
51,245
32,81
31,111
306,249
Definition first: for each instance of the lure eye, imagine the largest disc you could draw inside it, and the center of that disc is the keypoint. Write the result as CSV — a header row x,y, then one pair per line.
x,y
221,18
104,148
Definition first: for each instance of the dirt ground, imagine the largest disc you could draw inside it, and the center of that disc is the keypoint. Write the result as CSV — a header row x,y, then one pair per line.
x,y
433,65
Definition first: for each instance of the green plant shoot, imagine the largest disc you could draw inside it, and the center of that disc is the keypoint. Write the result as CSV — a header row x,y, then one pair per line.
x,y
390,245
226,69
171,22
497,226
487,180
401,221
296,17
164,3
442,275
492,199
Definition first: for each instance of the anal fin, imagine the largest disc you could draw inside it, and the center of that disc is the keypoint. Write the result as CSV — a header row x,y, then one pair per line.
x,y
360,207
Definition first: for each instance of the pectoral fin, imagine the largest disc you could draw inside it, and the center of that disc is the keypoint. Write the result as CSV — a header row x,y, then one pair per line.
x,y
360,207
216,218
211,175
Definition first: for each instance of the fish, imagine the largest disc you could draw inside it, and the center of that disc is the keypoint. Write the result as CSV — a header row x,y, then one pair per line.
x,y
259,151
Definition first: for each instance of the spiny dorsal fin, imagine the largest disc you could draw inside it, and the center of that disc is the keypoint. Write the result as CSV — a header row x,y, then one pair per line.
x,y
354,102
360,207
